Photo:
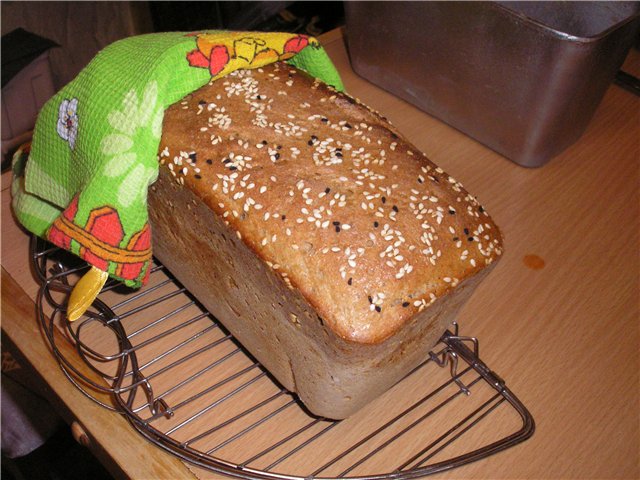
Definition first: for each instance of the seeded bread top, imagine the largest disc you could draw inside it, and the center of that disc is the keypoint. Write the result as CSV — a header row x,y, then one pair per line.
x,y
328,194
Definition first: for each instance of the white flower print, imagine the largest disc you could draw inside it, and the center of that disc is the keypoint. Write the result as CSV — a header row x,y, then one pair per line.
x,y
135,118
68,121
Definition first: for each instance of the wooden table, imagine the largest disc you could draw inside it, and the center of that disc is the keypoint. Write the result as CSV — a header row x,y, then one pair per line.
x,y
558,317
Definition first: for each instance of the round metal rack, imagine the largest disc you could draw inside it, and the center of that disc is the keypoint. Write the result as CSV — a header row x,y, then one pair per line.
x,y
165,363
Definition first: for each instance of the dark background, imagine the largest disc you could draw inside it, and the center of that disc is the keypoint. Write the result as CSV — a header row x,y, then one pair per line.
x,y
312,18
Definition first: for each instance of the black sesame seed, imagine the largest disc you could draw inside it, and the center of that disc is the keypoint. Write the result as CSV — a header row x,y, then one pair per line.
x,y
198,177
481,209
327,190
264,142
350,281
284,217
193,156
339,154
209,161
384,199
310,142
470,239
376,224
378,308
202,102
455,239
324,120
405,304
395,209
279,147
336,223
276,156
393,135
420,180
233,168
313,137
226,160
452,212
466,231
338,229
370,299
348,125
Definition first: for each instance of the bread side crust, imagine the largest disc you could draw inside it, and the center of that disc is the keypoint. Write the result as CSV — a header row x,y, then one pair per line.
x,y
333,376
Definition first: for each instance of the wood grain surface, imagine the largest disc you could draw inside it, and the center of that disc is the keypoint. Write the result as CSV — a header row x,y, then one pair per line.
x,y
557,318
110,437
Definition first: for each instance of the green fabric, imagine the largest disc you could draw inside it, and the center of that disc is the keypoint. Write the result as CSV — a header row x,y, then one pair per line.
x,y
316,62
94,150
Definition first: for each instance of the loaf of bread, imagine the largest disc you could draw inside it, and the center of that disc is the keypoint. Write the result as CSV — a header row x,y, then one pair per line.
x,y
329,246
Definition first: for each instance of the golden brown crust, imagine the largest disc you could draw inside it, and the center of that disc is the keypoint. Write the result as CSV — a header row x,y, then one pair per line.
x,y
322,189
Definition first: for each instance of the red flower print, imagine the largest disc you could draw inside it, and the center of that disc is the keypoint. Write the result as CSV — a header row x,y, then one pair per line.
x,y
140,241
218,59
57,236
197,59
72,209
104,225
296,44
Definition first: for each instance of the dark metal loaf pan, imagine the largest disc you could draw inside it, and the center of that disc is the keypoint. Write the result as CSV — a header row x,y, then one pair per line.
x,y
524,78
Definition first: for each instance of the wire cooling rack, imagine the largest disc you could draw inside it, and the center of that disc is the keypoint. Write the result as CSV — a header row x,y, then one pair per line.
x,y
159,358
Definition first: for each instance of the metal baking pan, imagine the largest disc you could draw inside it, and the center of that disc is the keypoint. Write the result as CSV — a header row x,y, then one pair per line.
x,y
523,78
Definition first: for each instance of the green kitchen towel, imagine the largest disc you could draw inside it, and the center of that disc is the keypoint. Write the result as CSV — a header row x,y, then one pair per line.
x,y
82,184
